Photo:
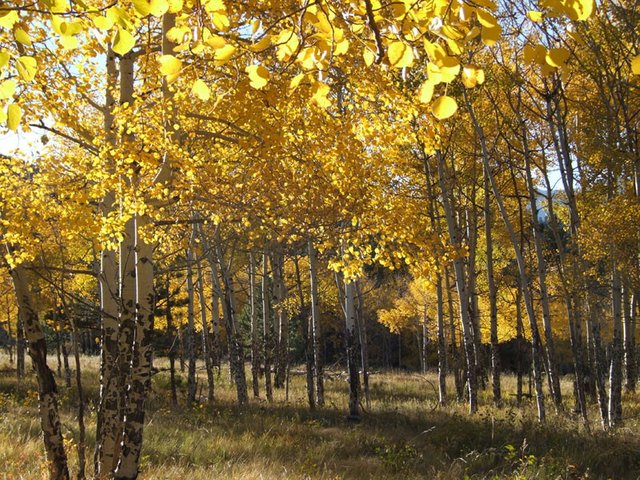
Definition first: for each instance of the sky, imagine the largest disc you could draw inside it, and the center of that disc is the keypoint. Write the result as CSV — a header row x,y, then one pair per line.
x,y
26,142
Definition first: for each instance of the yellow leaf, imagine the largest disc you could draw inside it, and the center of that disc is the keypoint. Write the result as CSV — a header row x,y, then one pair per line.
x,y
449,69
103,23
321,90
169,65
435,51
288,43
120,17
142,7
4,58
535,16
224,54
486,19
7,89
547,69
22,37
535,54
369,57
201,90
258,76
14,115
342,47
181,34
556,57
433,73
472,76
56,23
635,65
175,6
580,9
221,21
426,91
8,19
263,44
214,41
491,35
70,28
444,107
400,54
295,81
69,42
122,42
455,47
27,67
158,7
473,33
452,33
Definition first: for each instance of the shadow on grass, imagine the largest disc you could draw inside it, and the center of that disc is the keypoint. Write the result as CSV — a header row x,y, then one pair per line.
x,y
390,444
401,436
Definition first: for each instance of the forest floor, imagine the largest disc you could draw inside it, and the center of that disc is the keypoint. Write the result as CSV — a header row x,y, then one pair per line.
x,y
404,434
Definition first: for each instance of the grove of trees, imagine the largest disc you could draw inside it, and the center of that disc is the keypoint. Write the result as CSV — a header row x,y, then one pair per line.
x,y
273,184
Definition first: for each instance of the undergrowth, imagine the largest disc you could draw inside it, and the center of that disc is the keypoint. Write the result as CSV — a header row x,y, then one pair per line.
x,y
403,434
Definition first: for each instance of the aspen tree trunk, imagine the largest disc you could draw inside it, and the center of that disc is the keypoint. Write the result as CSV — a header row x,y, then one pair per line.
x,y
58,348
142,358
65,362
422,341
556,123
255,345
10,333
206,335
493,307
472,235
267,333
306,331
127,288
615,370
81,405
364,350
47,391
461,284
127,296
519,340
573,310
139,381
282,341
215,304
181,348
594,293
171,332
191,334
20,348
442,346
315,323
81,447
576,350
553,377
236,353
522,273
595,312
629,333
63,346
455,355
351,343
107,425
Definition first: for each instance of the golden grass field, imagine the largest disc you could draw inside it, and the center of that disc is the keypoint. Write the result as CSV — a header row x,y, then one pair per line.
x,y
402,435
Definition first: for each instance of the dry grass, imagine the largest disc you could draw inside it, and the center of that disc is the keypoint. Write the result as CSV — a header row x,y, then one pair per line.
x,y
403,435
